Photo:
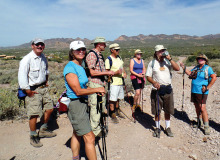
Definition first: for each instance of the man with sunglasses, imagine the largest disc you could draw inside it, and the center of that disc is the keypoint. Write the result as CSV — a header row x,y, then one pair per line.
x,y
114,63
33,79
96,65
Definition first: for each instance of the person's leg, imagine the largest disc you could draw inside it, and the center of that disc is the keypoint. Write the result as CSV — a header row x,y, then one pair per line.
x,y
32,123
89,140
137,97
75,145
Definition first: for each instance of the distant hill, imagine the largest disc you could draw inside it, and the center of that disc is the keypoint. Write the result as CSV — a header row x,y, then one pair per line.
x,y
140,40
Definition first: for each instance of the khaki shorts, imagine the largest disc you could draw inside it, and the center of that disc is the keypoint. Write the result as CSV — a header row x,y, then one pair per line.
x,y
40,102
166,102
79,117
197,98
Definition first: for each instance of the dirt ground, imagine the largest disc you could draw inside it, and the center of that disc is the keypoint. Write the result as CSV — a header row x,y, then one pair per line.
x,y
128,140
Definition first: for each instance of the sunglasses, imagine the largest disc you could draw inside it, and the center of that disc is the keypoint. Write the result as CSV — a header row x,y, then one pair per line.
x,y
117,50
202,59
139,54
81,49
40,43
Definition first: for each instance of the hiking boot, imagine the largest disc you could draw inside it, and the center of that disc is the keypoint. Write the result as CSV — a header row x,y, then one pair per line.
x,y
207,130
114,118
156,133
35,141
169,132
46,133
118,113
138,108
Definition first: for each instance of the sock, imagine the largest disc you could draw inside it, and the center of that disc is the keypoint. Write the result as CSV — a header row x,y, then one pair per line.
x,y
33,133
157,124
44,125
167,122
206,124
76,158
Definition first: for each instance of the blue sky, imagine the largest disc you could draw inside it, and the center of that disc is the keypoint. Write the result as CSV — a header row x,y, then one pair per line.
x,y
23,20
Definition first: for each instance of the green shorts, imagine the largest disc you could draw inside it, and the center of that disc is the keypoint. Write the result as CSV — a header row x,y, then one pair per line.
x,y
166,102
79,117
40,102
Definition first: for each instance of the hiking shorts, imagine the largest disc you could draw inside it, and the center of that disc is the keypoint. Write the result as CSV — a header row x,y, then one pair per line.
x,y
197,98
116,92
165,102
40,102
79,116
137,85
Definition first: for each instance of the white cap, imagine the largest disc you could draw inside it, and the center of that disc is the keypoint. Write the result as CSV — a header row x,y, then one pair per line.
x,y
77,44
159,47
37,40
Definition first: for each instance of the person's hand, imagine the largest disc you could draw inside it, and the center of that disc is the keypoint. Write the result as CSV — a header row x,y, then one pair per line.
x,y
101,91
181,64
30,93
141,75
125,75
204,89
156,85
120,71
111,73
168,57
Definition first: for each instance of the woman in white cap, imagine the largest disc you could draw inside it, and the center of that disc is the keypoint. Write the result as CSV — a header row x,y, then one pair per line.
x,y
75,82
137,69
203,78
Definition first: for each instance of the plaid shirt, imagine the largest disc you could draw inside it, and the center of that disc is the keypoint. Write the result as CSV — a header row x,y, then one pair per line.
x,y
91,62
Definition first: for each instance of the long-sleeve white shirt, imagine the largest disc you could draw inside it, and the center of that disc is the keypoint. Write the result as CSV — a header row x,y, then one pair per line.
x,y
32,70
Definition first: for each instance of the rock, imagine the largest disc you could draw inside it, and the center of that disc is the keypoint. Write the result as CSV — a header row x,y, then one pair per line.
x,y
193,156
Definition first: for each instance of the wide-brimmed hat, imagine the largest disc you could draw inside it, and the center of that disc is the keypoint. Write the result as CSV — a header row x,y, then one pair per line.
x,y
37,40
159,47
202,56
99,40
114,46
138,51
77,44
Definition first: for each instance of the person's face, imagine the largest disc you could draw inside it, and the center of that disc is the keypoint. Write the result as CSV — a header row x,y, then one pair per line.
x,y
138,55
116,51
201,61
102,46
38,48
80,53
159,53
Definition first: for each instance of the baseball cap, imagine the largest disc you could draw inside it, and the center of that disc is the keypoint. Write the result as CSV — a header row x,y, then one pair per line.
x,y
37,40
77,44
114,46
159,47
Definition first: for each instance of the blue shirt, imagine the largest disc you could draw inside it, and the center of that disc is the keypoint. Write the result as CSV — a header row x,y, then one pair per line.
x,y
71,67
138,67
200,79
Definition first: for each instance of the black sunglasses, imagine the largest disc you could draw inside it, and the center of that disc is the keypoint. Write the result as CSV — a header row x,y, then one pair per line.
x,y
117,50
81,49
40,43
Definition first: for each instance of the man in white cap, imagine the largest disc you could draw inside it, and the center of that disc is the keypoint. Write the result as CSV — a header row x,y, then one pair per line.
x,y
33,79
159,75
114,63
96,65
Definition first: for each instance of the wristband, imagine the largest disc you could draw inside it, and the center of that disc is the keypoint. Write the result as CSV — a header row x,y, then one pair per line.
x,y
170,59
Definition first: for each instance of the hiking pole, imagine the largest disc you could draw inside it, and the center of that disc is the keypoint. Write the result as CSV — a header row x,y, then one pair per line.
x,y
158,115
108,97
142,94
130,104
184,71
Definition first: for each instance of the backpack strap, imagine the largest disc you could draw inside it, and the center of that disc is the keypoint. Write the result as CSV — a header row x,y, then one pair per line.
x,y
110,62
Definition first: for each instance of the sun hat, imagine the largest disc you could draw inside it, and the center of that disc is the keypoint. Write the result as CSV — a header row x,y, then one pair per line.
x,y
99,40
159,47
114,46
202,56
77,44
37,40
138,51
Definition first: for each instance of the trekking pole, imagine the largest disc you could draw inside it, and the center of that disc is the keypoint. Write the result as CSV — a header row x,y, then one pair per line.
x,y
158,115
109,81
130,104
184,71
142,94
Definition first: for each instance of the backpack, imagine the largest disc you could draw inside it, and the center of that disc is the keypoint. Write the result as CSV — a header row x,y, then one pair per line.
x,y
21,96
206,70
85,65
110,60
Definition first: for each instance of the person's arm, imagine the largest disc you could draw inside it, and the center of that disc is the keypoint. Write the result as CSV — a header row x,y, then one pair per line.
x,y
154,83
124,73
188,72
214,78
144,68
74,84
173,63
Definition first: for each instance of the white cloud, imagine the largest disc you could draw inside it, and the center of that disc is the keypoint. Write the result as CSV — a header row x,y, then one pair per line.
x,y
23,20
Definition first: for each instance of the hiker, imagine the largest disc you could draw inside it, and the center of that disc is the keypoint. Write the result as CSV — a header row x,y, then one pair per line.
x,y
137,69
75,81
33,79
159,75
115,63
203,78
95,62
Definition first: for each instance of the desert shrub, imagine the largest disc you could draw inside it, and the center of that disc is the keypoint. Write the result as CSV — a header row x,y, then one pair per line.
x,y
9,104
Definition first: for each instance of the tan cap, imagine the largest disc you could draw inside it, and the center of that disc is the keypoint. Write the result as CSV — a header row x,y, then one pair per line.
x,y
99,40
138,51
159,47
202,56
114,46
